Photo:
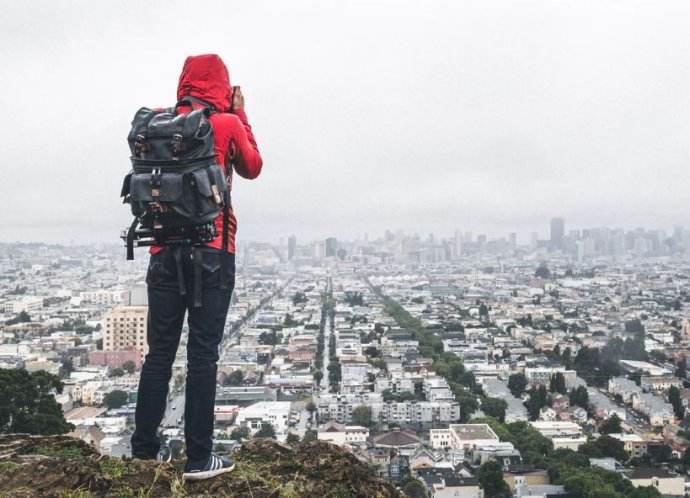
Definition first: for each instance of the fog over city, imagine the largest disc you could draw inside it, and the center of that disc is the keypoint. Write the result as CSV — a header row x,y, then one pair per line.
x,y
423,116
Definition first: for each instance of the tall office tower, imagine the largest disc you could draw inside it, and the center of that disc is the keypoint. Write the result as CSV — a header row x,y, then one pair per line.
x,y
512,239
557,233
292,247
125,328
331,246
677,233
457,244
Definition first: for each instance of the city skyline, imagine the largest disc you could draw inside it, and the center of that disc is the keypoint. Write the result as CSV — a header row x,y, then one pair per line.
x,y
526,237
510,113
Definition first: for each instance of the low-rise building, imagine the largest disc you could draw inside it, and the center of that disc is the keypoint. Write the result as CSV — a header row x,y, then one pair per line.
x,y
667,483
462,436
659,383
566,435
633,444
276,413
342,435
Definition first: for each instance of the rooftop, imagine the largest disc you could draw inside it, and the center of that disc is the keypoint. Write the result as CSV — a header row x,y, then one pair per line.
x,y
473,431
397,438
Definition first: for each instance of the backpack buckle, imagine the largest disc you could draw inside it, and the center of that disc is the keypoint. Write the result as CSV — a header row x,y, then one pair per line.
x,y
140,145
177,145
216,194
157,208
155,182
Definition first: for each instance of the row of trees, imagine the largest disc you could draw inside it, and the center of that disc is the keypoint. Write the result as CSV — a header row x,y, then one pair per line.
x,y
21,317
598,366
267,431
242,433
128,367
463,384
565,467
334,367
320,344
447,365
354,298
540,397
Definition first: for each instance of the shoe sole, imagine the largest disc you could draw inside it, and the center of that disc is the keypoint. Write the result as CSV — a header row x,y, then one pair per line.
x,y
200,476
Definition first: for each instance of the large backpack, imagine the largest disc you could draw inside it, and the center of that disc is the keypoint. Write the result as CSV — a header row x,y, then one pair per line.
x,y
176,189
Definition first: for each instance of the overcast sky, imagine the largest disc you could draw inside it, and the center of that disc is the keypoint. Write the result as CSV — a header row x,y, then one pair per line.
x,y
425,116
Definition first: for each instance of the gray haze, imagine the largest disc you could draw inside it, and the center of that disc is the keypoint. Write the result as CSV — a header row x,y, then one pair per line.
x,y
425,116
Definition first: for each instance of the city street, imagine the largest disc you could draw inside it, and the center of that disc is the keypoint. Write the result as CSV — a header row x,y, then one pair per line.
x,y
326,358
174,411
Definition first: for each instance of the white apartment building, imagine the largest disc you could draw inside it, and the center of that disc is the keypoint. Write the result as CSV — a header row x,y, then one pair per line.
x,y
339,408
623,387
541,376
354,373
462,436
342,435
659,384
633,444
26,303
125,327
105,297
437,389
566,435
276,413
657,410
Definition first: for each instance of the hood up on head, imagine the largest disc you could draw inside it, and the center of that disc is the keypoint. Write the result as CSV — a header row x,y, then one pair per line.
x,y
206,77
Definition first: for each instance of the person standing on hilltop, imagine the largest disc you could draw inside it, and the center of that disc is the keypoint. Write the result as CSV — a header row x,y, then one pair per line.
x,y
172,275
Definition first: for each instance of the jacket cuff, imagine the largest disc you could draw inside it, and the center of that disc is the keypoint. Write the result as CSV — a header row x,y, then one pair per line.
x,y
242,115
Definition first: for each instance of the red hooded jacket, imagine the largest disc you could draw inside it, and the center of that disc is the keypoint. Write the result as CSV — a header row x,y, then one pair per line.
x,y
206,78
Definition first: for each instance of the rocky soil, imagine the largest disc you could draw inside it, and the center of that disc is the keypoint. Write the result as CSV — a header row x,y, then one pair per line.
x,y
63,467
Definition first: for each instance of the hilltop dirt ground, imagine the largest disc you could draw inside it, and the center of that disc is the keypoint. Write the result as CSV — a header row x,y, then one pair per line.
x,y
63,467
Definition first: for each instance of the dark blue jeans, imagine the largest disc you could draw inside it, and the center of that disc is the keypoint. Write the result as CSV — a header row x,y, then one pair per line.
x,y
167,307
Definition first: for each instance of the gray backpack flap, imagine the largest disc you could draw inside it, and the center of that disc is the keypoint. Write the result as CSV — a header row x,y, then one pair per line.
x,y
175,189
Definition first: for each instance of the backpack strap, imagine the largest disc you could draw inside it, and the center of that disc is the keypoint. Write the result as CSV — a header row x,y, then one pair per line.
x,y
189,100
130,239
224,245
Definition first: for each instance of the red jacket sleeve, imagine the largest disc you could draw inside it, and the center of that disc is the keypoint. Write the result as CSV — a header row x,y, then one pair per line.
x,y
237,138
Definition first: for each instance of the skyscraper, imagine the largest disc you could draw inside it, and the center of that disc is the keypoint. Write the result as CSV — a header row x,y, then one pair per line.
x,y
331,246
557,233
292,247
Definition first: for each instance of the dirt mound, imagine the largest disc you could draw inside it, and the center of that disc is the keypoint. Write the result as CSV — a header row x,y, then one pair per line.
x,y
62,467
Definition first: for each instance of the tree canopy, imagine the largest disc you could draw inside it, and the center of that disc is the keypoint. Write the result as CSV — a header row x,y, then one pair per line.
x,y
611,425
27,403
491,479
235,378
567,467
361,415
495,407
579,396
239,433
517,383
266,430
129,366
115,399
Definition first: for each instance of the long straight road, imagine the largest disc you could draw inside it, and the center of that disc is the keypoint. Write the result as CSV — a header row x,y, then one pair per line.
x,y
326,337
174,411
326,356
